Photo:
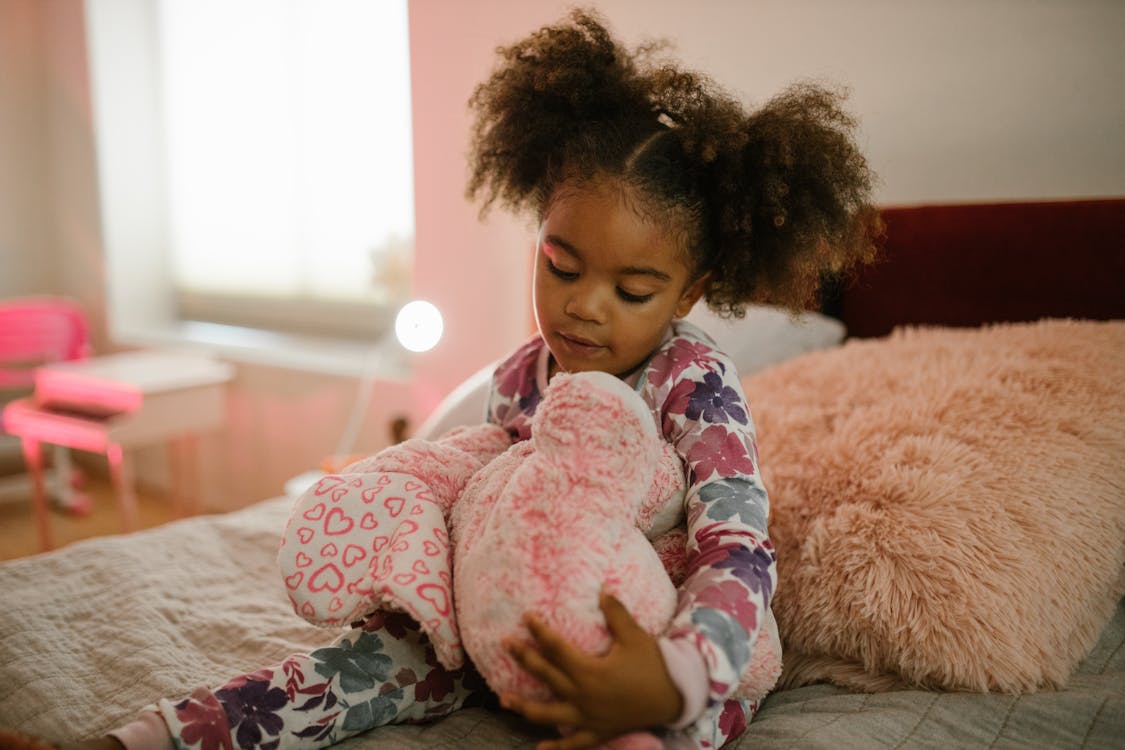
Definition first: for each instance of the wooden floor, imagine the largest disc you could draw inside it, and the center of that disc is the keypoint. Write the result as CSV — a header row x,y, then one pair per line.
x,y
19,536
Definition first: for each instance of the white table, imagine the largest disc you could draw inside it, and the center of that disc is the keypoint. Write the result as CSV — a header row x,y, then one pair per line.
x,y
110,403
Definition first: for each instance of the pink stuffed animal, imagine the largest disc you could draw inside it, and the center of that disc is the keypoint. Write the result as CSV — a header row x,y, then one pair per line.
x,y
468,532
546,524
376,536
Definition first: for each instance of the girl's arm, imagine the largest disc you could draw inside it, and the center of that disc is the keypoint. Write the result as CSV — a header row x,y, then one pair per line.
x,y
731,563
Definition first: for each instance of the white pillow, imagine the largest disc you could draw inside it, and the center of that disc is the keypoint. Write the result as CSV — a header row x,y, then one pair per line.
x,y
465,405
767,335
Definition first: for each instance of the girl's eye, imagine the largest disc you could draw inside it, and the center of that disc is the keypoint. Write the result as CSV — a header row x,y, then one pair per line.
x,y
633,298
564,275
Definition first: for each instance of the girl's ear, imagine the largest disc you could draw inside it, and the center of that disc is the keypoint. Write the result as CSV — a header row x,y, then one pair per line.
x,y
691,295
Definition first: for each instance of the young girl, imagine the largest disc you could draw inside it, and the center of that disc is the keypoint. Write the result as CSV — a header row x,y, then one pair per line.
x,y
652,190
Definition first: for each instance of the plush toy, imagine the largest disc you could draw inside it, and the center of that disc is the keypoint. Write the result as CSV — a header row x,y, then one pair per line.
x,y
376,536
468,532
544,526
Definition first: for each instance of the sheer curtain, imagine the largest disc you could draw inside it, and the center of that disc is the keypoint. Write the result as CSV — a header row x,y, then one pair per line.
x,y
284,157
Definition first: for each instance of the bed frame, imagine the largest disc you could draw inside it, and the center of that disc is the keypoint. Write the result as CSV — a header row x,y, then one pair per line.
x,y
966,265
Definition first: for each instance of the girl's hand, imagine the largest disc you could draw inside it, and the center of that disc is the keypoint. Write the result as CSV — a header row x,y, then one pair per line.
x,y
597,697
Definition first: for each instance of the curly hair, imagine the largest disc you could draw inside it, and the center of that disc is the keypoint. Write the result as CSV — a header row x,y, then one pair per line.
x,y
769,203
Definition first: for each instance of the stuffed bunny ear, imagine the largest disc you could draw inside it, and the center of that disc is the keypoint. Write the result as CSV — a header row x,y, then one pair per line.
x,y
614,386
629,398
600,396
588,427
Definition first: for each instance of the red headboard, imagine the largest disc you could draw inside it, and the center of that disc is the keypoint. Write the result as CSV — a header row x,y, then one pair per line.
x,y
964,265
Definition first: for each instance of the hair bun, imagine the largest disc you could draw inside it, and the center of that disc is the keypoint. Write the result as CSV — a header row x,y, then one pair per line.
x,y
540,105
795,200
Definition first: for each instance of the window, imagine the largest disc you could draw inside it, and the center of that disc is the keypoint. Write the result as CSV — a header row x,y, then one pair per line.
x,y
261,149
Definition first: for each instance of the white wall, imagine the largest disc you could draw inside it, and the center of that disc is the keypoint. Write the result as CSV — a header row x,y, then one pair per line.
x,y
959,100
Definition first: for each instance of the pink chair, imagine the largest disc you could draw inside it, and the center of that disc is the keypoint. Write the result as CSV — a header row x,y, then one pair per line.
x,y
35,331
38,330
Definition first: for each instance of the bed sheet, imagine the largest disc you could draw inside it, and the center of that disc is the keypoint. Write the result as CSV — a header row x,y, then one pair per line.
x,y
91,633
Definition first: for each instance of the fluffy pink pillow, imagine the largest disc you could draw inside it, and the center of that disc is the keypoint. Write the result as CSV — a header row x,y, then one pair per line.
x,y
948,505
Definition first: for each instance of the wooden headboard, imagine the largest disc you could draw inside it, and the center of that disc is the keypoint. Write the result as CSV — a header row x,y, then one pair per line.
x,y
964,265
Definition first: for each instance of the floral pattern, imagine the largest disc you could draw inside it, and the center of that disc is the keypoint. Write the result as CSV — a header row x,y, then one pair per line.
x,y
203,723
355,666
251,708
719,453
367,678
676,356
715,402
516,393
698,404
726,498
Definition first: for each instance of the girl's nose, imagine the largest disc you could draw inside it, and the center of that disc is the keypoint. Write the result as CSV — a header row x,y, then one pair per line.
x,y
584,305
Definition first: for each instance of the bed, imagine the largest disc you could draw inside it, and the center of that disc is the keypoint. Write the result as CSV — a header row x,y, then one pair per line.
x,y
951,550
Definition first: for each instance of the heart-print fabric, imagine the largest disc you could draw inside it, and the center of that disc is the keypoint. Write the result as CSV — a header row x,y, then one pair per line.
x,y
360,542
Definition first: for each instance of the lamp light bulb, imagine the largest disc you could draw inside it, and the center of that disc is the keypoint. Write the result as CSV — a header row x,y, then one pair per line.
x,y
418,326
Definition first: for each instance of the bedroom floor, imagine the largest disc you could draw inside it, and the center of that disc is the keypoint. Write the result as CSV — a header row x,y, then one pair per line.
x,y
19,537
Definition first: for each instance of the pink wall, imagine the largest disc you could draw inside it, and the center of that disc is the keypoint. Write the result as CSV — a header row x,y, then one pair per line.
x,y
26,262
475,272
959,101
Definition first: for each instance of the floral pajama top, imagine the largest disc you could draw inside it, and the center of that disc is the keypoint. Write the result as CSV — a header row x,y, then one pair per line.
x,y
698,405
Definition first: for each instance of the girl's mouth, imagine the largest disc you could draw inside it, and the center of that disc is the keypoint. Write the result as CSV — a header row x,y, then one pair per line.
x,y
579,346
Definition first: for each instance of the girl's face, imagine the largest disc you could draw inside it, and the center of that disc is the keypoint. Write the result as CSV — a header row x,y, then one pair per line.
x,y
607,281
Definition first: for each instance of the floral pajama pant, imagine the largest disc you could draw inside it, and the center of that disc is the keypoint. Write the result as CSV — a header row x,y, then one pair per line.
x,y
381,673
385,672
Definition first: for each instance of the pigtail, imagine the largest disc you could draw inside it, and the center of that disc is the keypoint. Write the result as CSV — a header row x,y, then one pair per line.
x,y
791,198
554,102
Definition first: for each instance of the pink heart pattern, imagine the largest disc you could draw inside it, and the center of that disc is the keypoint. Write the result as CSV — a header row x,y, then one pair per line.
x,y
336,486
337,569
328,577
353,553
369,493
338,522
394,505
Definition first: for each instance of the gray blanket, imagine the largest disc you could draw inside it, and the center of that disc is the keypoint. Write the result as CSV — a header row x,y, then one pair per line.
x,y
91,633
